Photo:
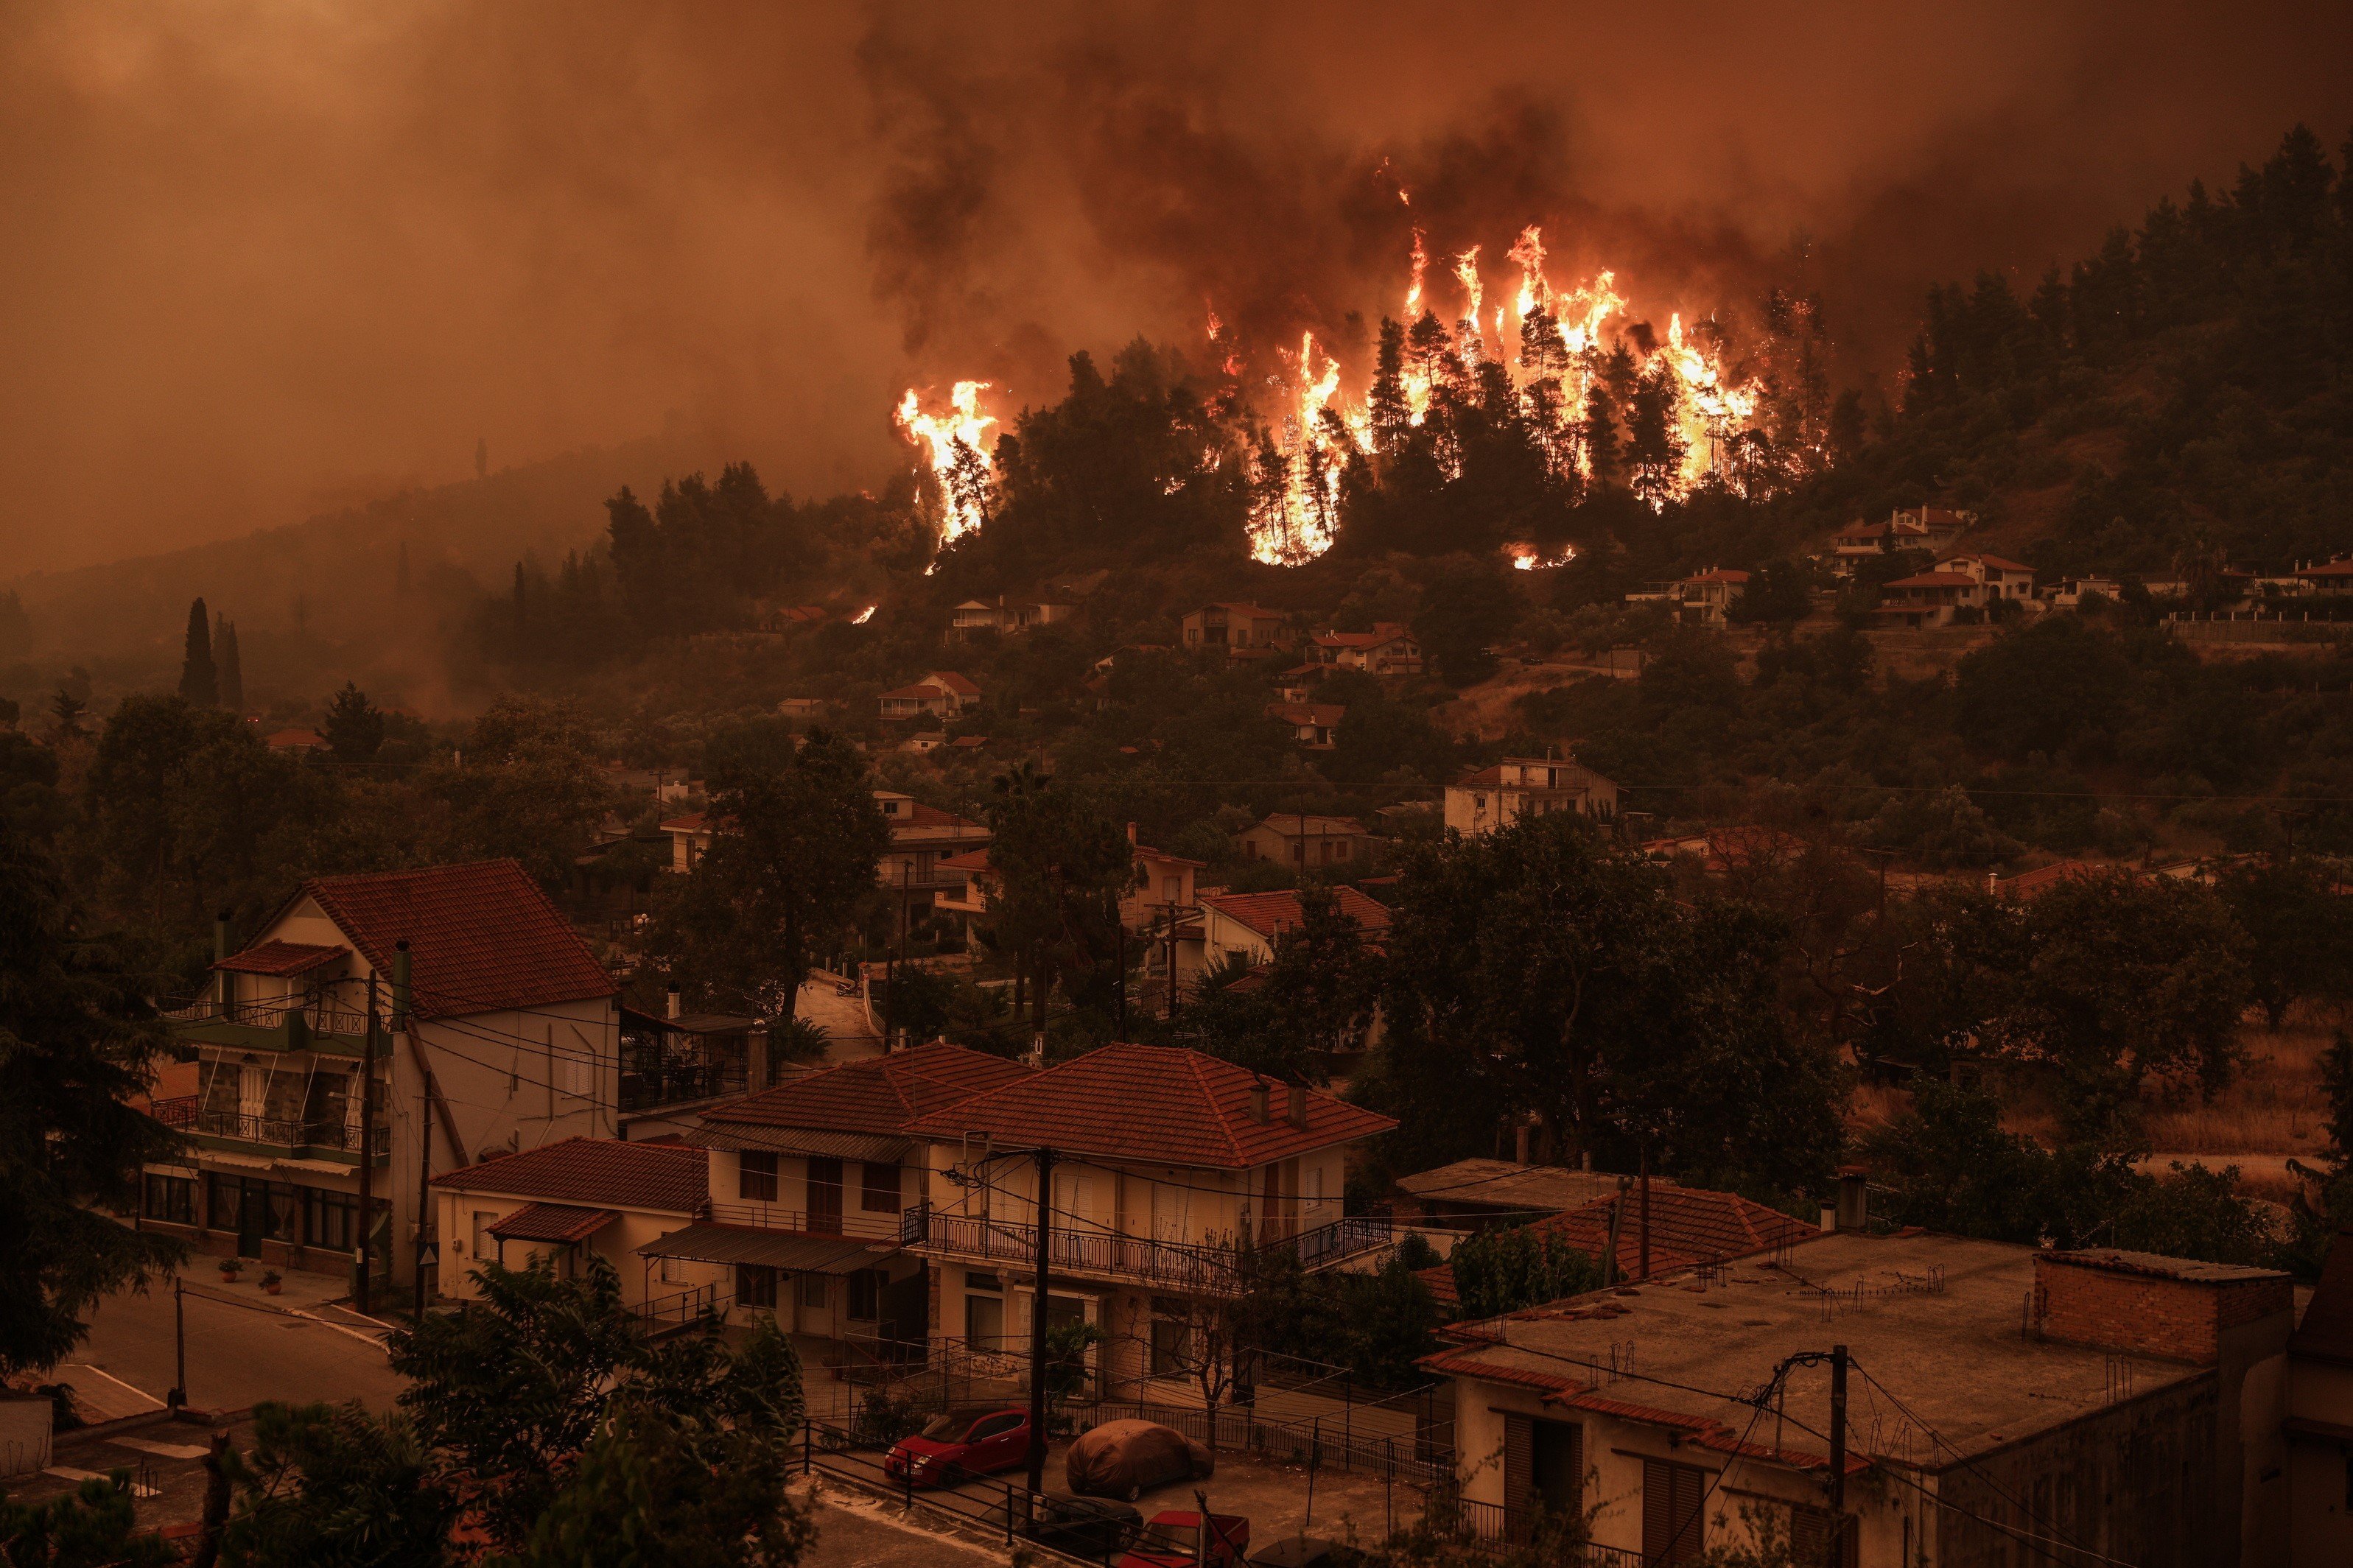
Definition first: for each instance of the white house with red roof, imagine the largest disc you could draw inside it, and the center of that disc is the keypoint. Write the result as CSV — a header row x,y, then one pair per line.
x,y
1496,796
1390,648
1247,924
1707,596
1315,725
1930,528
573,1199
809,1184
943,691
1162,1161
1241,630
496,1029
1304,839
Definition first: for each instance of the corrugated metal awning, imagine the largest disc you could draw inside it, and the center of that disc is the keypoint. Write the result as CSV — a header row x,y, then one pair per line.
x,y
865,1147
772,1249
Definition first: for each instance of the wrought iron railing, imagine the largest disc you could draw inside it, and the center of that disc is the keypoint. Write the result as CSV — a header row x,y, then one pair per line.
x,y
1181,1265
674,1083
1557,1537
322,1014
852,1222
187,1114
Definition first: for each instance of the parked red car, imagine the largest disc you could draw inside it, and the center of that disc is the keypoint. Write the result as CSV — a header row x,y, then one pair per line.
x,y
1174,1541
961,1444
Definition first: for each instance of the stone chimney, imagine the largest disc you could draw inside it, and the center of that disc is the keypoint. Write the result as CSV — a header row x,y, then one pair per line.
x,y
674,1008
1259,1111
1854,1198
1299,1106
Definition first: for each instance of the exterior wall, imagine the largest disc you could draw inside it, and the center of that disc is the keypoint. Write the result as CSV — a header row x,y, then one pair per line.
x,y
790,1208
641,1279
2175,1318
1222,934
2320,1470
1262,842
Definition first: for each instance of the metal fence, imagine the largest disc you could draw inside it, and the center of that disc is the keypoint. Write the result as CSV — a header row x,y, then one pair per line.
x,y
185,1114
1179,1265
1551,1539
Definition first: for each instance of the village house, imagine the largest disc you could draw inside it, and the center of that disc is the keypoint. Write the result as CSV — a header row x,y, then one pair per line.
x,y
1477,1194
478,979
2000,577
2070,593
1315,725
809,1183
1493,797
803,708
775,620
1163,1160
296,742
1999,1398
1245,925
1932,529
921,837
1303,839
2328,577
1162,890
976,615
1706,598
1927,599
943,692
1388,648
568,1202
675,1064
1241,630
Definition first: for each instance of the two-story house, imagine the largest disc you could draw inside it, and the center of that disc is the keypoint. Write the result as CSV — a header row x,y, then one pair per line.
x,y
573,1199
1238,628
1932,529
1927,599
809,1182
1390,648
2000,577
1162,885
1481,801
1303,839
1708,597
1161,1162
1247,924
943,692
495,1028
922,837
977,615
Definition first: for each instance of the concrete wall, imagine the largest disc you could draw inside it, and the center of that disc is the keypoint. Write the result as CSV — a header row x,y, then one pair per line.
x,y
460,1215
2145,1314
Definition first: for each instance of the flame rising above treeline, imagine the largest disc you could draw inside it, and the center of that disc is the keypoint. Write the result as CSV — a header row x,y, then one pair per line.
x,y
1580,368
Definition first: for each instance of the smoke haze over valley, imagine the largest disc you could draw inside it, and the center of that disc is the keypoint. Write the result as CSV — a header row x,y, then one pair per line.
x,y
273,260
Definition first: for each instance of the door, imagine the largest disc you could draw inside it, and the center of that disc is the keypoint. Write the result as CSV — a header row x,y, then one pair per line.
x,y
906,1312
825,1196
252,1204
999,1441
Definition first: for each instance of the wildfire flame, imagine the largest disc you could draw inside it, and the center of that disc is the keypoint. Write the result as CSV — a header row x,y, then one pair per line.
x,y
862,617
953,449
1527,557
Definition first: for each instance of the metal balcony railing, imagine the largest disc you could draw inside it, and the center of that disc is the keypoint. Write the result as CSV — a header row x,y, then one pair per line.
x,y
849,1222
674,1083
1181,1265
185,1114
319,1015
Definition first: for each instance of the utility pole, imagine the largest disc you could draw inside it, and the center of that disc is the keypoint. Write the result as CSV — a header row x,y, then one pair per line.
x,y
401,1022
179,1394
1838,1450
1123,979
1171,963
1038,1324
361,1284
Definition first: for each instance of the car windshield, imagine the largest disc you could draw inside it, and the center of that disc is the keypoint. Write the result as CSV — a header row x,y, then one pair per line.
x,y
1173,1537
946,1429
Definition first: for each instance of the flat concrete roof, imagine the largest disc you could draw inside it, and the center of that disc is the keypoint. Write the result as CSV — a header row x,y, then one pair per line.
x,y
1507,1185
1936,1319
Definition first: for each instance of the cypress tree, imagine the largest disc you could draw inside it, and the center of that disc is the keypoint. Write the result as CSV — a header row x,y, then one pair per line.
x,y
229,669
199,682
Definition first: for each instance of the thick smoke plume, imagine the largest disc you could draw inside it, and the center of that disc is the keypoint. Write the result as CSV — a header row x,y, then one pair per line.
x,y
266,258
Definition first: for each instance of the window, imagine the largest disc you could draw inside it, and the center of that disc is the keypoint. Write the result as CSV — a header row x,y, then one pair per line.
x,y
330,1219
1172,890
484,1244
1810,1536
813,1291
878,1191
755,1285
172,1199
1172,1337
994,1426
865,1295
577,1072
672,1271
1340,850
755,1177
1298,849
824,1194
227,1195
1672,1527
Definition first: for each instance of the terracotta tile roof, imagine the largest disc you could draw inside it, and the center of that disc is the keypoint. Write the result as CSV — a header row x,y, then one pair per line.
x,y
970,860
295,739
962,685
1688,1225
878,1095
1491,776
482,938
596,1172
692,822
915,693
1999,563
1719,577
922,816
552,1222
282,958
1297,824
2333,568
1272,913
1156,1103
1936,580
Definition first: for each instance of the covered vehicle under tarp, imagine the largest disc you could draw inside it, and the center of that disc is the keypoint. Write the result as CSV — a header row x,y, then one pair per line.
x,y
1128,1459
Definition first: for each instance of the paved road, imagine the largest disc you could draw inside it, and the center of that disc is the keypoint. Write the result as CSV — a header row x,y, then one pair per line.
x,y
244,1346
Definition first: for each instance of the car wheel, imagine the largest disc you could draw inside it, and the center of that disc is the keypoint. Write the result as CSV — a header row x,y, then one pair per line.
x,y
954,1476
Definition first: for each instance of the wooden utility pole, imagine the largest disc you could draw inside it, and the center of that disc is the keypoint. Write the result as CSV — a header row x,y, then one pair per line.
x,y
363,1282
1837,1445
1038,1323
425,1097
1122,980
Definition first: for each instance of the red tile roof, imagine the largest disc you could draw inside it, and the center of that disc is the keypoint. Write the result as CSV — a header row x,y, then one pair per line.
x,y
1936,580
878,1095
1999,563
960,684
552,1222
2333,568
970,860
1688,1226
692,822
2033,884
596,1172
922,816
1719,577
1272,913
482,938
1156,1104
282,958
1307,824
295,740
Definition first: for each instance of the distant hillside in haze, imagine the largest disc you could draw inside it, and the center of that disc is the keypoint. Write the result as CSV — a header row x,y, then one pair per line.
x,y
324,600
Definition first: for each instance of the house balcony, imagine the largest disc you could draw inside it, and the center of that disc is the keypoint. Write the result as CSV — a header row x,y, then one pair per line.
x,y
297,1137
1133,1259
278,1024
651,1087
853,1224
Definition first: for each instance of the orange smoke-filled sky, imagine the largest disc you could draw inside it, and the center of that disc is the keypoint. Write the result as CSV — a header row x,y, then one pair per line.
x,y
268,257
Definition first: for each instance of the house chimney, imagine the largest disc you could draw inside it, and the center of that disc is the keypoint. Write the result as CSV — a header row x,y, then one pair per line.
x,y
1258,1102
1299,1106
1520,1142
1854,1198
674,1008
1130,833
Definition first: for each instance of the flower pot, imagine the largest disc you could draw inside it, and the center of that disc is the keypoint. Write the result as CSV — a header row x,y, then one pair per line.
x,y
273,1290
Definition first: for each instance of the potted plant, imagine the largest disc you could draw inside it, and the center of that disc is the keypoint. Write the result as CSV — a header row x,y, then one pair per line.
x,y
273,1281
230,1268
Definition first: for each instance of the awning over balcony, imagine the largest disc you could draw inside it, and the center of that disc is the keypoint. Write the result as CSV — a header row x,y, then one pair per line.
x,y
553,1221
769,1248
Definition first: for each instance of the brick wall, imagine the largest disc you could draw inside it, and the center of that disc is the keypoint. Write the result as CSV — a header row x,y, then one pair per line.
x,y
2144,1314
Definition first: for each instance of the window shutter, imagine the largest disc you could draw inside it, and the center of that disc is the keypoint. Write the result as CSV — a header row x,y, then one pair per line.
x,y
1657,1510
1519,1476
